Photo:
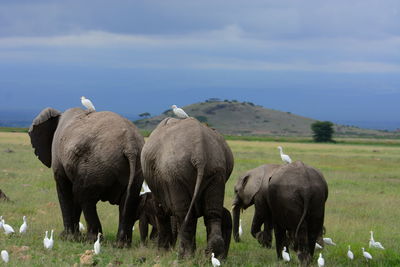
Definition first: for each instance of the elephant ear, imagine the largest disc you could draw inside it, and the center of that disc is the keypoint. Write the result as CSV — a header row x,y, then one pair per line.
x,y
41,133
248,185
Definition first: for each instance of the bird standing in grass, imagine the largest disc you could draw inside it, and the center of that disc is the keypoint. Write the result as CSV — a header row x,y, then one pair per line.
x,y
318,246
285,255
180,113
4,256
321,261
97,244
373,243
240,228
366,255
7,228
87,104
48,244
24,226
350,254
285,158
329,241
45,240
214,261
81,227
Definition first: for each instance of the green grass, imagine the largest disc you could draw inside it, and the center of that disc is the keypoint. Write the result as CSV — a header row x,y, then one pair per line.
x,y
364,195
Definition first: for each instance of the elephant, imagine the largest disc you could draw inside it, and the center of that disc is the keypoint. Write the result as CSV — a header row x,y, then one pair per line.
x,y
94,156
289,199
147,215
251,189
186,165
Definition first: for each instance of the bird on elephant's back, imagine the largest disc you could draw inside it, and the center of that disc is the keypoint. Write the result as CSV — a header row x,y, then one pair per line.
x,y
186,165
94,156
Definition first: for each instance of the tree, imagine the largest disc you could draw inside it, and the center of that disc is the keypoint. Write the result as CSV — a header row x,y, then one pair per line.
x,y
322,131
145,114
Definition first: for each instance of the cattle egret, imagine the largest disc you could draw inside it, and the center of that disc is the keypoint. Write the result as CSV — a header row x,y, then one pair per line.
x,y
1,222
215,262
81,227
285,158
4,256
180,113
285,255
366,255
321,261
318,246
373,243
24,226
350,254
97,244
7,228
50,242
45,240
87,103
240,228
133,228
145,188
328,241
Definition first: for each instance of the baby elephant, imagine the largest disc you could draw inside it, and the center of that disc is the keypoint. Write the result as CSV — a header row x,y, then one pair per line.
x,y
146,214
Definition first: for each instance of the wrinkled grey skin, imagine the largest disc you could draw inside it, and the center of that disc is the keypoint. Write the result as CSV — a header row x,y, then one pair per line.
x,y
147,215
94,156
251,189
296,197
186,165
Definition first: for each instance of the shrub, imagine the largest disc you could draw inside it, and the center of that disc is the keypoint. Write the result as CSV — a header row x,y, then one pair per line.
x,y
322,131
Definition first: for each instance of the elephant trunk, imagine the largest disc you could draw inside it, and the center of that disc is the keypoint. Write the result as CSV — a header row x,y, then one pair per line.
x,y
236,207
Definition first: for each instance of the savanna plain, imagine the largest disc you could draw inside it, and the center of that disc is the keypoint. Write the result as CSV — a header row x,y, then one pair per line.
x,y
364,195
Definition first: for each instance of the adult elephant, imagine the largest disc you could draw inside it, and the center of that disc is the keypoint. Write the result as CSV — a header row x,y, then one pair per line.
x,y
251,189
186,165
94,156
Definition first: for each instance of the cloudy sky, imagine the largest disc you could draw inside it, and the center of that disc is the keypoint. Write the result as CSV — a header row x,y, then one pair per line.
x,y
329,60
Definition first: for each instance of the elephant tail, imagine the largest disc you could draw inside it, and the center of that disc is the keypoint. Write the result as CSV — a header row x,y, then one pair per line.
x,y
305,209
199,180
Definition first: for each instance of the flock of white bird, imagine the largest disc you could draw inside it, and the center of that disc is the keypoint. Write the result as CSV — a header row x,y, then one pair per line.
x,y
180,113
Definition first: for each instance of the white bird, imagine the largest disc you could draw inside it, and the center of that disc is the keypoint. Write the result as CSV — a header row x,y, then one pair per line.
x,y
350,254
133,228
318,246
87,103
180,113
215,262
24,226
81,227
97,244
321,261
145,188
4,256
45,240
7,228
50,242
285,158
373,243
285,255
366,255
240,228
1,222
328,241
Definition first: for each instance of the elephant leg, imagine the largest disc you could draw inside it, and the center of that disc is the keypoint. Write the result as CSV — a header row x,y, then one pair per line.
x,y
187,236
213,210
153,233
92,220
302,245
280,234
69,209
164,231
226,227
144,229
260,218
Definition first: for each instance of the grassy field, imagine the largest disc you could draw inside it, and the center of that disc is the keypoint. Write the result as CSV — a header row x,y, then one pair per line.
x,y
364,184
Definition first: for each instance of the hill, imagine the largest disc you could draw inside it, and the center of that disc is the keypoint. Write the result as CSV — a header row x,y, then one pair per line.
x,y
246,118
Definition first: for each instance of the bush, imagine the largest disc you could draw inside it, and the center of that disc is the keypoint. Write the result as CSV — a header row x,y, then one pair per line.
x,y
322,131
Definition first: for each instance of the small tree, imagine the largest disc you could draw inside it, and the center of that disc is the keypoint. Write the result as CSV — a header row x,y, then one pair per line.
x,y
145,114
322,131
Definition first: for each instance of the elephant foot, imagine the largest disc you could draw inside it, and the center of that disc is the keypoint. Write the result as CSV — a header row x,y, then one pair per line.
x,y
264,239
122,244
216,244
68,235
304,258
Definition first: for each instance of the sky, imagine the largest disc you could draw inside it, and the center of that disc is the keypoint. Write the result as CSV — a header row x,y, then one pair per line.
x,y
328,60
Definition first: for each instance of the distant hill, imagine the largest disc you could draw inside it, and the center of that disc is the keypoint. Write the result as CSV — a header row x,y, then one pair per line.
x,y
246,118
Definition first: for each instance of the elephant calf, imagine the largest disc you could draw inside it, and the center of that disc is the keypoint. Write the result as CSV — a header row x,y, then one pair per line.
x,y
186,165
